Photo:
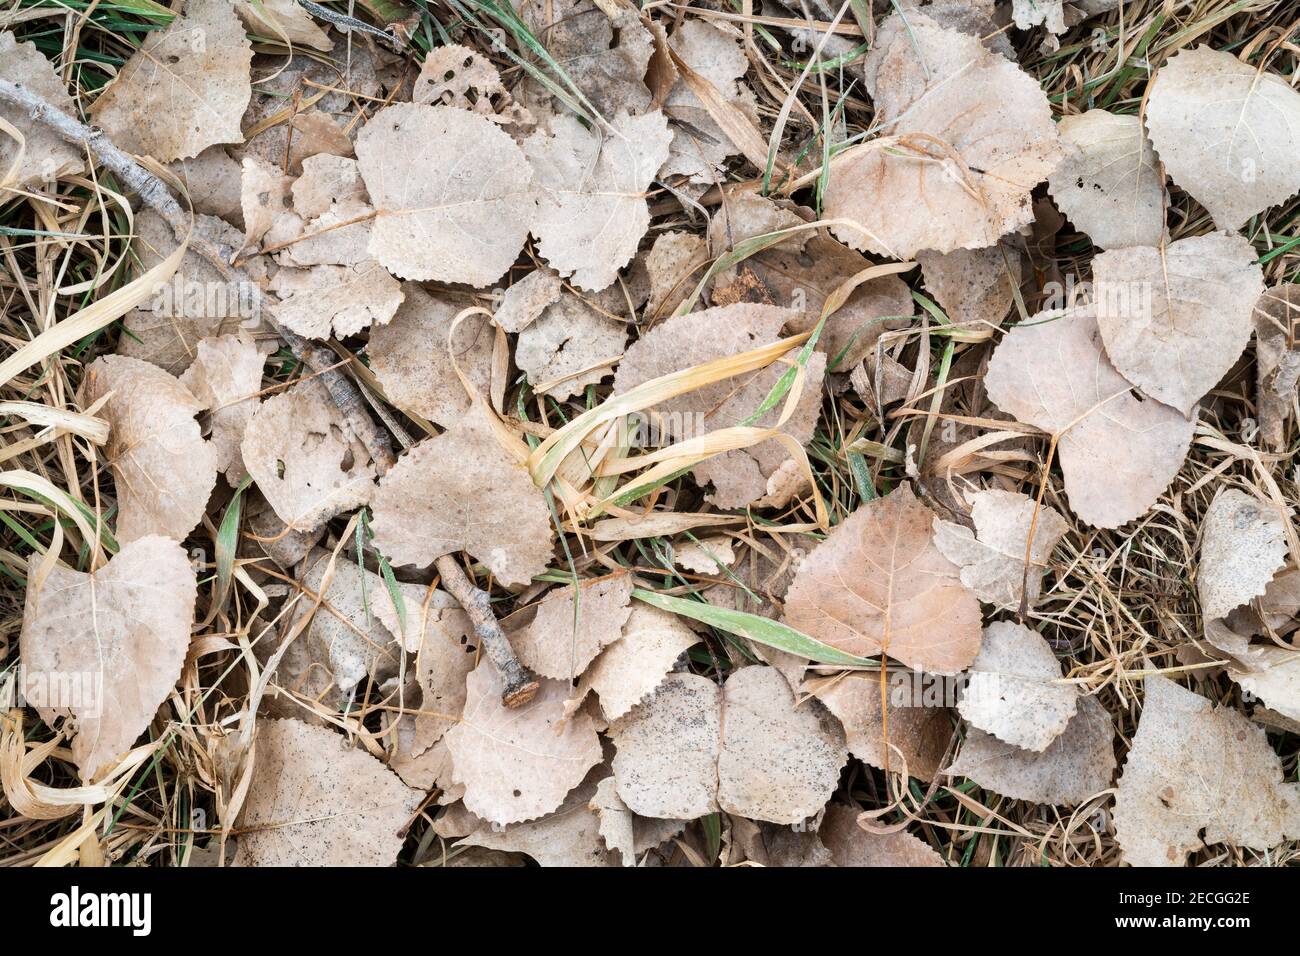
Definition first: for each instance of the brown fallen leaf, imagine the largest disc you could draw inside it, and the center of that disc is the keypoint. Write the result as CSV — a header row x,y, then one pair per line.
x,y
974,287
674,263
1175,319
461,491
1277,360
468,219
214,181
316,801
163,470
851,845
1196,775
184,89
114,638
770,845
992,558
519,764
622,830
225,379
338,300
264,198
1118,452
283,20
570,346
565,631
1226,131
326,180
528,298
878,585
568,837
45,157
455,75
1243,544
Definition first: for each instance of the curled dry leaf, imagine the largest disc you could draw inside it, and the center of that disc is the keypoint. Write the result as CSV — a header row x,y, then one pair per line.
x,y
878,585
46,157
1175,319
1227,132
993,557
304,457
468,217
461,491
591,207
315,800
1015,691
120,632
184,89
1196,775
572,624
225,379
1277,360
967,136
1109,183
622,830
285,21
746,748
415,356
528,298
163,470
519,764
851,845
1118,452
572,345
339,299
1075,766
1243,544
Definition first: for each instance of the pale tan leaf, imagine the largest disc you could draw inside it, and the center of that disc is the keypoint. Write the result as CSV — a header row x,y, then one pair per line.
x,y
163,470
519,764
284,21
622,830
184,89
568,837
704,555
878,585
1243,544
263,197
1118,452
304,457
1277,360
974,287
633,666
226,378
326,180
851,845
315,800
969,135
1076,765
1226,131
415,356
571,345
992,558
524,301
1027,14
1109,183
455,75
1197,775
340,236
339,299
214,181
46,157
674,263
565,631
591,207
460,491
468,218
1175,319
770,845
115,639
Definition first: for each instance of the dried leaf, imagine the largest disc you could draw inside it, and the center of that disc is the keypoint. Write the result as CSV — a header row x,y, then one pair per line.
x,y
214,181
519,764
570,626
225,379
46,157
455,75
1277,361
1197,774
878,585
1226,131
1118,451
263,198
326,180
974,287
461,491
524,301
163,470
568,837
851,845
1015,691
992,559
1027,14
341,299
1175,319
622,830
184,89
464,222
674,263
316,801
118,636
572,345
285,21
1243,544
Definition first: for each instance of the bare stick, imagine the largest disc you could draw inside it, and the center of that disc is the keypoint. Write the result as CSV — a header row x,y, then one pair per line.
x,y
520,686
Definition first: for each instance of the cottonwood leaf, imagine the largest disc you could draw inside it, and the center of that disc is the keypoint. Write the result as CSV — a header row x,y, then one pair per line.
x,y
519,764
455,75
304,457
285,21
466,218
622,830
770,845
992,558
46,157
673,264
878,585
184,89
213,181
121,632
415,356
571,625
225,379
1277,360
1027,14
591,207
1015,691
1226,131
693,748
570,346
632,667
163,470
341,300
1118,452
263,198
1075,766
1109,183
969,136
568,837
1197,775
528,298
1243,544
316,801
974,287
460,491
326,180
851,845
1175,319
705,555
